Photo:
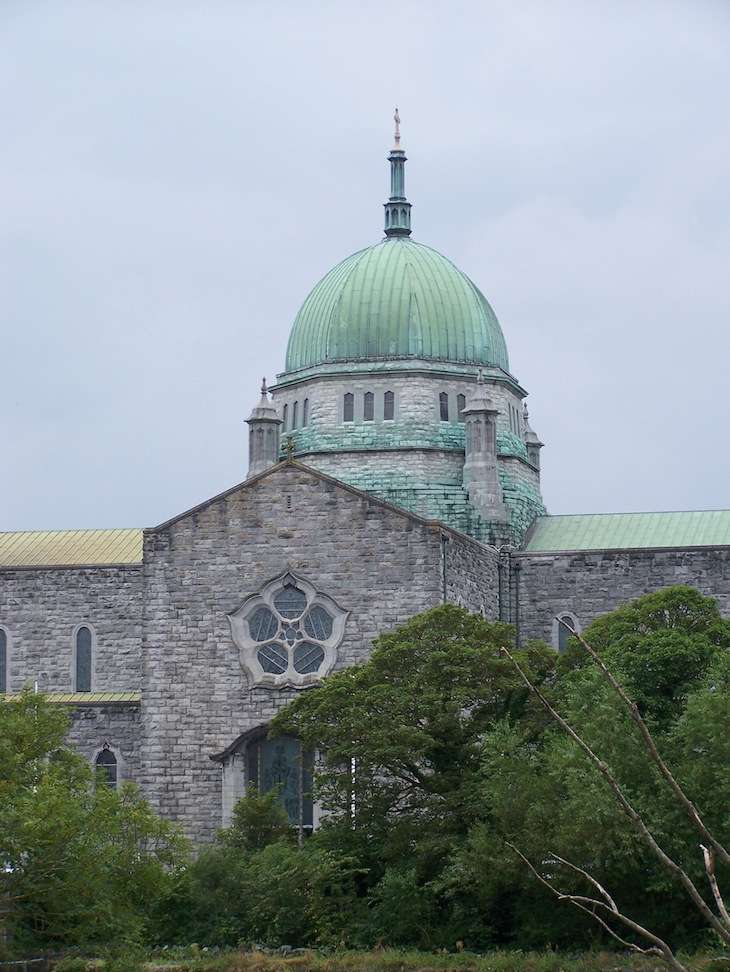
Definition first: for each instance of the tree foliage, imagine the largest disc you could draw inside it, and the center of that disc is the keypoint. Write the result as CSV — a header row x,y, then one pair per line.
x,y
80,862
401,740
668,652
433,757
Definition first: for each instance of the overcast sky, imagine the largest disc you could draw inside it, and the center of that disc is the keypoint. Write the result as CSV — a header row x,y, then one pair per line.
x,y
178,174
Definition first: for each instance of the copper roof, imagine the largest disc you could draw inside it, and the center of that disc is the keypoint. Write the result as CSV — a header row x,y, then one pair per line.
x,y
625,531
68,548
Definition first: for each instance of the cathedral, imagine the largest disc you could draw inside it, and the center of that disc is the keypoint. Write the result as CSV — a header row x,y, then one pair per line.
x,y
392,467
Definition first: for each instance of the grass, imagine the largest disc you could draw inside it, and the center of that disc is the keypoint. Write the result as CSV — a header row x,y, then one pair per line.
x,y
393,960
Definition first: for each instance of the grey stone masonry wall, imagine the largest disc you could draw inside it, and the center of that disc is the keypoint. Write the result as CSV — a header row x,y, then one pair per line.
x,y
116,726
376,562
589,584
472,577
41,609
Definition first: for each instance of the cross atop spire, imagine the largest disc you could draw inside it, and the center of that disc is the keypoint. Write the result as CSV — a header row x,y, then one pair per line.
x,y
397,209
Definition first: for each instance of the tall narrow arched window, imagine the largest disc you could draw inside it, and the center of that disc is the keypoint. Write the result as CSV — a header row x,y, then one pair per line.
x,y
305,412
348,410
368,407
285,416
107,764
83,660
389,406
460,406
444,406
561,634
3,661
294,414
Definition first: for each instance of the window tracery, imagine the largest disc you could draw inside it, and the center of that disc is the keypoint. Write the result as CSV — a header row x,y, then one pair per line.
x,y
288,633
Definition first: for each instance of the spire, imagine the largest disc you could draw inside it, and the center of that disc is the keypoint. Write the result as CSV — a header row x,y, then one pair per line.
x,y
397,209
531,439
264,427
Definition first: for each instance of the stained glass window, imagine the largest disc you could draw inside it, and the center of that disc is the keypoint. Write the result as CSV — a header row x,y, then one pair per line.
x,y
368,407
308,657
388,406
280,763
460,406
262,624
288,633
318,623
348,411
274,658
290,602
107,761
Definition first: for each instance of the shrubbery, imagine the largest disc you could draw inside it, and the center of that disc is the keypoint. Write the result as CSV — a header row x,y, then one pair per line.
x,y
432,757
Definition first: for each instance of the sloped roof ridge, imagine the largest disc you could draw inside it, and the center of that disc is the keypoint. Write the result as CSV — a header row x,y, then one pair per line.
x,y
324,477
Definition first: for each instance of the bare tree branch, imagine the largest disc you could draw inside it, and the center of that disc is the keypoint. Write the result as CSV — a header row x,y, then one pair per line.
x,y
631,813
710,871
594,906
633,709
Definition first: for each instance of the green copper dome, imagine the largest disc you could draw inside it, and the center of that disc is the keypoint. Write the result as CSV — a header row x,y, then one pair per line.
x,y
396,300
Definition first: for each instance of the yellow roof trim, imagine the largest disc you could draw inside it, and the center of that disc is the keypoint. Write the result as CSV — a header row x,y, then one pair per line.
x,y
70,548
90,698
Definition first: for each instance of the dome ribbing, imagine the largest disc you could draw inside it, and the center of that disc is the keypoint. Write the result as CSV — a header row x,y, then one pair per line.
x,y
396,300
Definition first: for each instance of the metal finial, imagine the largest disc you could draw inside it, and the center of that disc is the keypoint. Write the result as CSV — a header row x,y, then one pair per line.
x,y
396,119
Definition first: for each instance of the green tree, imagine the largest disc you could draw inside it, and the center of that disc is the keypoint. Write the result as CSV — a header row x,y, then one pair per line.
x,y
81,862
256,885
632,799
660,646
400,741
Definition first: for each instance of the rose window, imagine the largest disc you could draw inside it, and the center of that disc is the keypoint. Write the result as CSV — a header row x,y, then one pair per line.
x,y
288,633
